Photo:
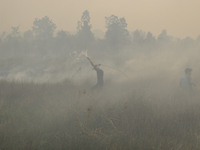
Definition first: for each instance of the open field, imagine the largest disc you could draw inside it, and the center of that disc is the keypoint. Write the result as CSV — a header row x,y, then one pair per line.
x,y
46,74
124,116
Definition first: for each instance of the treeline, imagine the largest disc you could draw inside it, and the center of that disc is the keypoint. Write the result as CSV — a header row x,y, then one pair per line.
x,y
42,40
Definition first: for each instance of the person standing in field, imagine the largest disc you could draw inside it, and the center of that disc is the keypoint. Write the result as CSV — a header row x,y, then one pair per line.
x,y
186,81
100,74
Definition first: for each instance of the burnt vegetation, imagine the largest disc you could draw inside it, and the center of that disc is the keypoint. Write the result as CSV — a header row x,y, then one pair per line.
x,y
65,116
45,97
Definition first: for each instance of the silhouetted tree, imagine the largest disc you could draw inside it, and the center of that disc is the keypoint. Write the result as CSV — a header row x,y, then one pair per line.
x,y
3,36
84,35
163,37
187,42
150,42
198,38
43,28
165,40
117,32
138,37
150,38
12,43
28,42
63,41
28,36
15,31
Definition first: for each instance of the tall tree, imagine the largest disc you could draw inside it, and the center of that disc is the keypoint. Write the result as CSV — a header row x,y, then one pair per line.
x,y
84,34
43,28
63,42
13,42
117,32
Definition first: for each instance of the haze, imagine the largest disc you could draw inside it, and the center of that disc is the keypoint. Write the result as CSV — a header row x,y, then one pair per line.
x,y
53,95
178,17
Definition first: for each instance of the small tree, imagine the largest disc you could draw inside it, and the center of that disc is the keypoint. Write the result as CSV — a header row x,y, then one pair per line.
x,y
15,31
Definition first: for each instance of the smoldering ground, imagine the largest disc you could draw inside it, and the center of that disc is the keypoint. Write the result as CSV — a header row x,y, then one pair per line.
x,y
149,112
46,101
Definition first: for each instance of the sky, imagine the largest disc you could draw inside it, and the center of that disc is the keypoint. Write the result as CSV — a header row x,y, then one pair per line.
x,y
179,17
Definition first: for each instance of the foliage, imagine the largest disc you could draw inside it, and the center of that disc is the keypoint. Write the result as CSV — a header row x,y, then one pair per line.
x,y
61,116
15,31
40,42
84,35
116,30
43,28
138,36
68,116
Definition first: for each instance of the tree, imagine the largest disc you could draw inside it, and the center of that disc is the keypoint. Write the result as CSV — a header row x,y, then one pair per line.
x,y
13,42
43,28
150,38
138,37
28,35
2,37
15,31
84,24
117,32
28,42
163,37
187,42
150,42
63,41
84,35
198,38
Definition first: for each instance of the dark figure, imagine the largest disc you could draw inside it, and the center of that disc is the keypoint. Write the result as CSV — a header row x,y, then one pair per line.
x,y
99,71
186,81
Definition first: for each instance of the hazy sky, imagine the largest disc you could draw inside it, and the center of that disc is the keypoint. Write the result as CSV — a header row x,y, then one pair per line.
x,y
180,18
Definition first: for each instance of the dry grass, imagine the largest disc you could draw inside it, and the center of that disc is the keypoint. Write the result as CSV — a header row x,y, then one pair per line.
x,y
64,116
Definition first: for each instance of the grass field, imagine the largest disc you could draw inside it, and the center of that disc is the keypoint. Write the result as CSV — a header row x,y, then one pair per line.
x,y
56,116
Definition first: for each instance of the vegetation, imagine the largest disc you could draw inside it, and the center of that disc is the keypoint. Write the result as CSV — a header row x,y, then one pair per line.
x,y
42,49
38,112
66,116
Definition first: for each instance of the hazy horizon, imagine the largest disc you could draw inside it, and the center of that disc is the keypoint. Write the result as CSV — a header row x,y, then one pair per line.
x,y
53,95
179,18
